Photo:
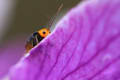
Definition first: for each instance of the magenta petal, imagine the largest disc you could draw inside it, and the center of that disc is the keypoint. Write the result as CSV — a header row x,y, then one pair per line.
x,y
84,46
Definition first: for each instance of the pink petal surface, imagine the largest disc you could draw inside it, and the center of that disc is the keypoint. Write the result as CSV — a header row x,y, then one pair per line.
x,y
84,46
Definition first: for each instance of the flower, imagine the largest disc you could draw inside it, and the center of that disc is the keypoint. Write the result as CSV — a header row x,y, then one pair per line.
x,y
84,46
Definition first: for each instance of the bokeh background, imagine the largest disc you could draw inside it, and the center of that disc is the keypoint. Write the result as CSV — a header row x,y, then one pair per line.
x,y
18,20
28,16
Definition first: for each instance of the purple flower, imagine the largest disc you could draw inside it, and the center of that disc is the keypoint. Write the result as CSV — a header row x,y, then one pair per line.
x,y
84,46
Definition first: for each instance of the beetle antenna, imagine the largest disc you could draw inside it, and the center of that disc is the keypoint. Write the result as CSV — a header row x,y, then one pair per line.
x,y
52,20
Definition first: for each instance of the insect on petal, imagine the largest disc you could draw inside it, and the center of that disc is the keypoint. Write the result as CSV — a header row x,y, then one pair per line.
x,y
84,46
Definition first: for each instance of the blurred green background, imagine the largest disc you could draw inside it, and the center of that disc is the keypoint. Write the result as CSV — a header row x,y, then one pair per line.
x,y
30,15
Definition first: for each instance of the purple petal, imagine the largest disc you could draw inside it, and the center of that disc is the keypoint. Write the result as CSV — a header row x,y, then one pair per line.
x,y
84,46
10,53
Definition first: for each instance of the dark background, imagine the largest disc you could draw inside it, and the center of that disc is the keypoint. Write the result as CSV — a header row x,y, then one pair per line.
x,y
30,15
